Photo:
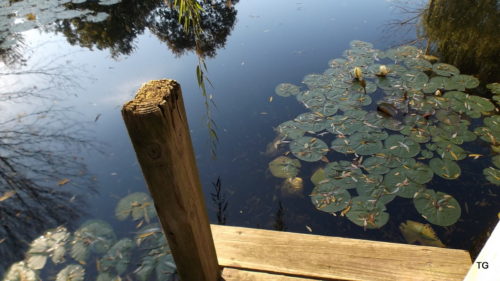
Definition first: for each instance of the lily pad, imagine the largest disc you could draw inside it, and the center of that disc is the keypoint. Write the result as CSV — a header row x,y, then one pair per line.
x,y
118,257
290,130
51,244
492,175
445,168
372,187
365,144
437,83
286,90
487,134
138,205
72,272
402,146
318,176
284,167
469,104
450,151
20,271
313,122
93,236
342,145
437,207
496,161
328,197
422,233
367,213
397,180
309,149
444,69
462,82
376,165
418,172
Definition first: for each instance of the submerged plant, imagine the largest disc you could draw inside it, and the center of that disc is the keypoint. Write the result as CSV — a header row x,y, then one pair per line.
x,y
423,117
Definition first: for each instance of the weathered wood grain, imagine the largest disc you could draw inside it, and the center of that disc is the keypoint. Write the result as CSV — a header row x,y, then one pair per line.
x,y
233,274
157,124
332,258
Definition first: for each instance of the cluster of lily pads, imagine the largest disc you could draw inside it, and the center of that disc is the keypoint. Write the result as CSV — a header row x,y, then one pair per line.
x,y
394,147
96,240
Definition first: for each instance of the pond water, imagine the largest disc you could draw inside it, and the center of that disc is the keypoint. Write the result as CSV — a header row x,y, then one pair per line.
x,y
69,66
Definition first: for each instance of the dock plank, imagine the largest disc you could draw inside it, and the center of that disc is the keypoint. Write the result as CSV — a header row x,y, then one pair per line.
x,y
333,258
233,274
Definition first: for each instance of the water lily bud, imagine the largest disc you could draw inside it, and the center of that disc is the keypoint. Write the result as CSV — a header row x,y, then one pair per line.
x,y
358,74
383,71
295,183
437,93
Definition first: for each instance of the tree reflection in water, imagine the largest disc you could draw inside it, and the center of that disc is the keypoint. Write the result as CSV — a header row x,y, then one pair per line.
x,y
465,33
39,174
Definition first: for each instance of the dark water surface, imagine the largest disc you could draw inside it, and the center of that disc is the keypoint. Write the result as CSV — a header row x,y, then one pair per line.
x,y
255,46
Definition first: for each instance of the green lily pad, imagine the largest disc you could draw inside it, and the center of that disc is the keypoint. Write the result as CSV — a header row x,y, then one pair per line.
x,y
445,168
404,187
437,83
365,144
444,69
376,165
318,176
344,173
286,90
471,105
290,130
418,172
342,145
450,151
462,82
487,134
418,232
118,257
313,122
426,154
402,146
415,79
371,186
328,197
492,175
106,276
367,213
309,149
73,272
93,236
418,64
316,81
496,161
284,167
138,205
437,207
494,88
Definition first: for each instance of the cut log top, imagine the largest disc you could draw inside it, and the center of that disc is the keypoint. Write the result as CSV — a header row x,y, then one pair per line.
x,y
151,95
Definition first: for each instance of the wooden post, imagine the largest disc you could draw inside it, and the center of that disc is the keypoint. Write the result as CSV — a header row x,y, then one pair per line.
x,y
157,125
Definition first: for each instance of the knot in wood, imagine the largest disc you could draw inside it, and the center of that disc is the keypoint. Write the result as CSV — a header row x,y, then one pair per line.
x,y
154,151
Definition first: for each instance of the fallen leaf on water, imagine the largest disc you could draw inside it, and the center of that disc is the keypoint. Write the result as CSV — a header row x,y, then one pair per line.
x,y
31,16
2,240
270,99
475,155
309,228
418,232
63,182
263,113
7,195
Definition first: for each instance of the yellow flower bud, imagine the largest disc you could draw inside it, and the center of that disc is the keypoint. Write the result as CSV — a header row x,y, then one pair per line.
x,y
383,71
358,74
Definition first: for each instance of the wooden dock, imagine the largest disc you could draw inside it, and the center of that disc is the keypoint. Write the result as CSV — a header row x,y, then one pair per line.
x,y
157,125
255,254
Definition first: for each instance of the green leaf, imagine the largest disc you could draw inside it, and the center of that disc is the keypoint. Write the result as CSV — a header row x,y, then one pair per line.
x,y
318,176
286,89
308,149
95,236
284,167
72,272
118,257
290,130
367,213
376,165
397,180
444,69
138,205
330,198
401,146
437,207
418,232
445,168
492,175
311,122
365,144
